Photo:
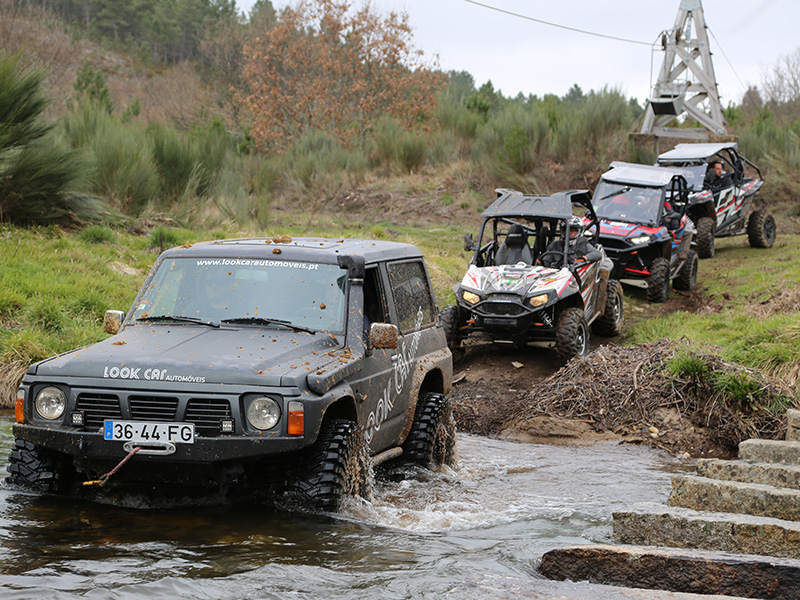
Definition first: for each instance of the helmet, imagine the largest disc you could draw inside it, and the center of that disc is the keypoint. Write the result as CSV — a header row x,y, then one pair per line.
x,y
576,224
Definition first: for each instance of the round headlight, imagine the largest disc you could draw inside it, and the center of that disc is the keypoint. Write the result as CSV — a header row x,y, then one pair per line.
x,y
263,413
50,402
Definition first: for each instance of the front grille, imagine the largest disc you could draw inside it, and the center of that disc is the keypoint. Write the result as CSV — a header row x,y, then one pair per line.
x,y
97,408
206,413
152,408
614,243
502,309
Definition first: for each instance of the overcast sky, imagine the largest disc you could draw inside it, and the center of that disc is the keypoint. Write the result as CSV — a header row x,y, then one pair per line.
x,y
519,55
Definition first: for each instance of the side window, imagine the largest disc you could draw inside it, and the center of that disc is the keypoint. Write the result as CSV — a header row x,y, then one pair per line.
x,y
374,299
412,295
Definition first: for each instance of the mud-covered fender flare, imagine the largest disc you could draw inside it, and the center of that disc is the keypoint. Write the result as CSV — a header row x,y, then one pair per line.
x,y
432,373
337,403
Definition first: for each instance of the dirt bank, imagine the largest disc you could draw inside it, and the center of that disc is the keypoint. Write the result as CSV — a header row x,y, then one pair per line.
x,y
630,394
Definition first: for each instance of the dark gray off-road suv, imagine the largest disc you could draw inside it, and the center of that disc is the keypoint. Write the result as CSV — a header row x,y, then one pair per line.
x,y
273,367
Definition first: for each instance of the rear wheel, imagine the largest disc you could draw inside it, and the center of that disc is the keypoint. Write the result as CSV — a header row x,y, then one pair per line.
x,y
609,323
761,229
432,440
687,276
334,468
572,334
658,282
36,468
705,238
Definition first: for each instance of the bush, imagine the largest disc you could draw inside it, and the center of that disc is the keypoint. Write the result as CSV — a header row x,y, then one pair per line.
x,y
165,237
318,161
98,234
36,170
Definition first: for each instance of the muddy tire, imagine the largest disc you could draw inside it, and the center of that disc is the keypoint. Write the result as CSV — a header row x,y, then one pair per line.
x,y
36,468
572,334
705,238
761,229
334,468
687,276
432,440
609,324
452,320
658,282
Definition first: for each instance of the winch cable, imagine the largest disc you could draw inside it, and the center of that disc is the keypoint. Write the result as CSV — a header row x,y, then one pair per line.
x,y
106,477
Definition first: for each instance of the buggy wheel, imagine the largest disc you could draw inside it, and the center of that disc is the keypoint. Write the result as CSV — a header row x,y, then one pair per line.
x,y
687,276
36,468
452,319
432,439
761,229
334,468
609,323
572,334
658,282
705,238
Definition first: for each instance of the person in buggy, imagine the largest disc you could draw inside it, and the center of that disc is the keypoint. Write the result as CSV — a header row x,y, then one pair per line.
x,y
581,249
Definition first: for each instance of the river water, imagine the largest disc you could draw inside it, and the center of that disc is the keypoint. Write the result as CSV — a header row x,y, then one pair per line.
x,y
505,506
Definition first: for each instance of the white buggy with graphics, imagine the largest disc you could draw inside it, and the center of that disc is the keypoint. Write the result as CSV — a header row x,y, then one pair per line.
x,y
721,205
525,286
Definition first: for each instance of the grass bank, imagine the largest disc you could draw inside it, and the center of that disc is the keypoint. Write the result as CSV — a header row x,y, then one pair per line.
x,y
55,287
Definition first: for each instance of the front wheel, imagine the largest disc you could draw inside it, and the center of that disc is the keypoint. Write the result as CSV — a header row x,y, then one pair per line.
x,y
572,334
687,276
705,238
761,229
334,468
36,468
658,282
432,440
609,324
452,319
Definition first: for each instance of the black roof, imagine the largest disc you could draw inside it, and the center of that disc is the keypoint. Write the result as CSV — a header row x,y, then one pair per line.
x,y
512,203
284,248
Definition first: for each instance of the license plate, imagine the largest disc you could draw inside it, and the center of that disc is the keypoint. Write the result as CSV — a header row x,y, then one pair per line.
x,y
142,431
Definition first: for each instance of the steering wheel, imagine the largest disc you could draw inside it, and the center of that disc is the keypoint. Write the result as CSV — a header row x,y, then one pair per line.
x,y
558,253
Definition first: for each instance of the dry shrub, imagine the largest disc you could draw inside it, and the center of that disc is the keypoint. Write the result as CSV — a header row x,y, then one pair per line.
x,y
43,43
177,95
10,377
618,389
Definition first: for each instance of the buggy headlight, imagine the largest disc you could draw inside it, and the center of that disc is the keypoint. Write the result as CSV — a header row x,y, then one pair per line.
x,y
50,402
538,301
263,413
470,297
642,239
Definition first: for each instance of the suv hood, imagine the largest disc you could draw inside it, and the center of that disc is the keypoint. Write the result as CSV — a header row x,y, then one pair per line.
x,y
191,354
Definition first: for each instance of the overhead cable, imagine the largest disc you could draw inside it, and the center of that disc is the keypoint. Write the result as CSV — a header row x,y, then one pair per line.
x,y
576,30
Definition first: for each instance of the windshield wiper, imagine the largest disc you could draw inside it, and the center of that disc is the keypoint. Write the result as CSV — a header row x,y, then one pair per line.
x,y
267,321
179,318
622,190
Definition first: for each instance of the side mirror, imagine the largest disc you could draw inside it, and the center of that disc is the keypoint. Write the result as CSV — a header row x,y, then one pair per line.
x,y
383,336
469,242
112,321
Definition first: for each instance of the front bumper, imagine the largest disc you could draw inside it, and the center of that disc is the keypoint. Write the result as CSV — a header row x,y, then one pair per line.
x,y
90,446
505,316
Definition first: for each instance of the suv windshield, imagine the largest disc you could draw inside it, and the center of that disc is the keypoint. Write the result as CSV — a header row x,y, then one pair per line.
x,y
248,291
628,203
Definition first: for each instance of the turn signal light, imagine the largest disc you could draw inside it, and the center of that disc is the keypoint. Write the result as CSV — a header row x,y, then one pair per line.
x,y
296,423
19,406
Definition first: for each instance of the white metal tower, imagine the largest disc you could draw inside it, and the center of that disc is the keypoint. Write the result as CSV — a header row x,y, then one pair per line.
x,y
686,79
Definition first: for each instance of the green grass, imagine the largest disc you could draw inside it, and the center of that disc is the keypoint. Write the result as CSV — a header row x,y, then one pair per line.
x,y
751,307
